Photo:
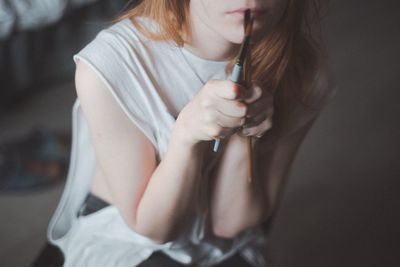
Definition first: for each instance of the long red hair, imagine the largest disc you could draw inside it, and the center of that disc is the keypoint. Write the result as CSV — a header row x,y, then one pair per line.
x,y
284,62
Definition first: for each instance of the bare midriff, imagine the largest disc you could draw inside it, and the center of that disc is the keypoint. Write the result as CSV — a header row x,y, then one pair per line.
x,y
99,186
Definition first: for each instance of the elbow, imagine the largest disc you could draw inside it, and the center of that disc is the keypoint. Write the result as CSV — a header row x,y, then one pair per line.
x,y
148,227
154,238
230,232
226,231
230,228
151,233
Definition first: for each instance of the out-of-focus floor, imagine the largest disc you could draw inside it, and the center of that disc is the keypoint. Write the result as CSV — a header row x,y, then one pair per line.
x,y
341,206
24,216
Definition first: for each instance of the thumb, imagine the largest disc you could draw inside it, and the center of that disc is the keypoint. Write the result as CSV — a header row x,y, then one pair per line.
x,y
253,93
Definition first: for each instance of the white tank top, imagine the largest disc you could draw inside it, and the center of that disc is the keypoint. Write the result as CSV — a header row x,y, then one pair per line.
x,y
152,82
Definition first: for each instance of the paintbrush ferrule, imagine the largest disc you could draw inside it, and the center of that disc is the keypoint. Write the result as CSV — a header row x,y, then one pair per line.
x,y
236,75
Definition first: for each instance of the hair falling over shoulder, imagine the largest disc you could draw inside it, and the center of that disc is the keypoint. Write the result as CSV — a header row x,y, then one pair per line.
x,y
284,62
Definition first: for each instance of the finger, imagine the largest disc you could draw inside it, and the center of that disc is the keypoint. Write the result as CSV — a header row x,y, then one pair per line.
x,y
226,132
254,121
259,129
266,93
224,120
253,93
240,91
264,106
219,132
226,89
232,108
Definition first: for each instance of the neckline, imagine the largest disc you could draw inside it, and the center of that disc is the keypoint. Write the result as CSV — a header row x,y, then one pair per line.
x,y
201,63
201,59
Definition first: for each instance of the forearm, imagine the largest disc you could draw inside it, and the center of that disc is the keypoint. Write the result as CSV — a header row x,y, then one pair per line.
x,y
164,205
236,204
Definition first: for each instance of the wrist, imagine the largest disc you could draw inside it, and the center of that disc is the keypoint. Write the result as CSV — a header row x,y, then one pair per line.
x,y
239,144
181,136
181,144
243,137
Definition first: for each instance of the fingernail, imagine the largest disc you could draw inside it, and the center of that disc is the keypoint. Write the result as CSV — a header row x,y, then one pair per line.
x,y
240,104
235,89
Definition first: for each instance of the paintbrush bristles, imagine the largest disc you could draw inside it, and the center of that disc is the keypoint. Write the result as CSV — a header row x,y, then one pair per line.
x,y
247,16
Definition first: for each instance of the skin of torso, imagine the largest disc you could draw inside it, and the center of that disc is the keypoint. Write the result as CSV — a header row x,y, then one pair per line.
x,y
99,186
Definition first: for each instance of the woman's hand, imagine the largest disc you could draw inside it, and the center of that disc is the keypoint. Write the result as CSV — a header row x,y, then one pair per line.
x,y
215,112
259,112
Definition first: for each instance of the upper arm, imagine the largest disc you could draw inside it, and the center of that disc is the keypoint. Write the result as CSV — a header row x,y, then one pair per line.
x,y
125,155
274,163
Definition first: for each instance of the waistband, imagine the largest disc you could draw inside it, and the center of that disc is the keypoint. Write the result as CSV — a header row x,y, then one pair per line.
x,y
92,204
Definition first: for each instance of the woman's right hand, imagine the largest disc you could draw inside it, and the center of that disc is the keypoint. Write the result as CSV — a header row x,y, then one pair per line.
x,y
215,112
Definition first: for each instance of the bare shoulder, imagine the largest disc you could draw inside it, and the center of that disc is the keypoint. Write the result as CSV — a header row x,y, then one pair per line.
x,y
86,78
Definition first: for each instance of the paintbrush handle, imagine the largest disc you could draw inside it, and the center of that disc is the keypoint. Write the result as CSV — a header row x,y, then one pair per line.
x,y
236,78
216,145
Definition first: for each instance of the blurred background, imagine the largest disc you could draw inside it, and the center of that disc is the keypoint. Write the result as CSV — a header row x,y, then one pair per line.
x,y
341,205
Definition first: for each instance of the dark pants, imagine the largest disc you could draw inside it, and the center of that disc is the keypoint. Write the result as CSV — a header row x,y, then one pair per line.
x,y
51,256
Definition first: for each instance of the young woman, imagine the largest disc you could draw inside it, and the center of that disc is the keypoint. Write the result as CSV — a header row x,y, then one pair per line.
x,y
153,93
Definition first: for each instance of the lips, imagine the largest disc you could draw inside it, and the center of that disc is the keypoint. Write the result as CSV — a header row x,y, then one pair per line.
x,y
255,12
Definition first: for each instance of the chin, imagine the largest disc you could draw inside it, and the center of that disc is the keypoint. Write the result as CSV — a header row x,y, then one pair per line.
x,y
235,36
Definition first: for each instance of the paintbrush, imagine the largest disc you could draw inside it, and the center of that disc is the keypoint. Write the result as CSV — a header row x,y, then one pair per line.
x,y
247,80
237,72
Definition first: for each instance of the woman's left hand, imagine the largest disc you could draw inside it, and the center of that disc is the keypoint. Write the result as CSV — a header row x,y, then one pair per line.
x,y
259,112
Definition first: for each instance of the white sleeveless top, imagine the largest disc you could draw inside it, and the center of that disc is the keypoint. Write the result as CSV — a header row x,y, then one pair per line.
x,y
152,82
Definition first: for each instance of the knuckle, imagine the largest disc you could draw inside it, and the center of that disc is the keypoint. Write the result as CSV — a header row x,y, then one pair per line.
x,y
208,117
259,92
209,87
211,83
268,123
260,134
215,131
248,131
233,92
243,111
205,102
